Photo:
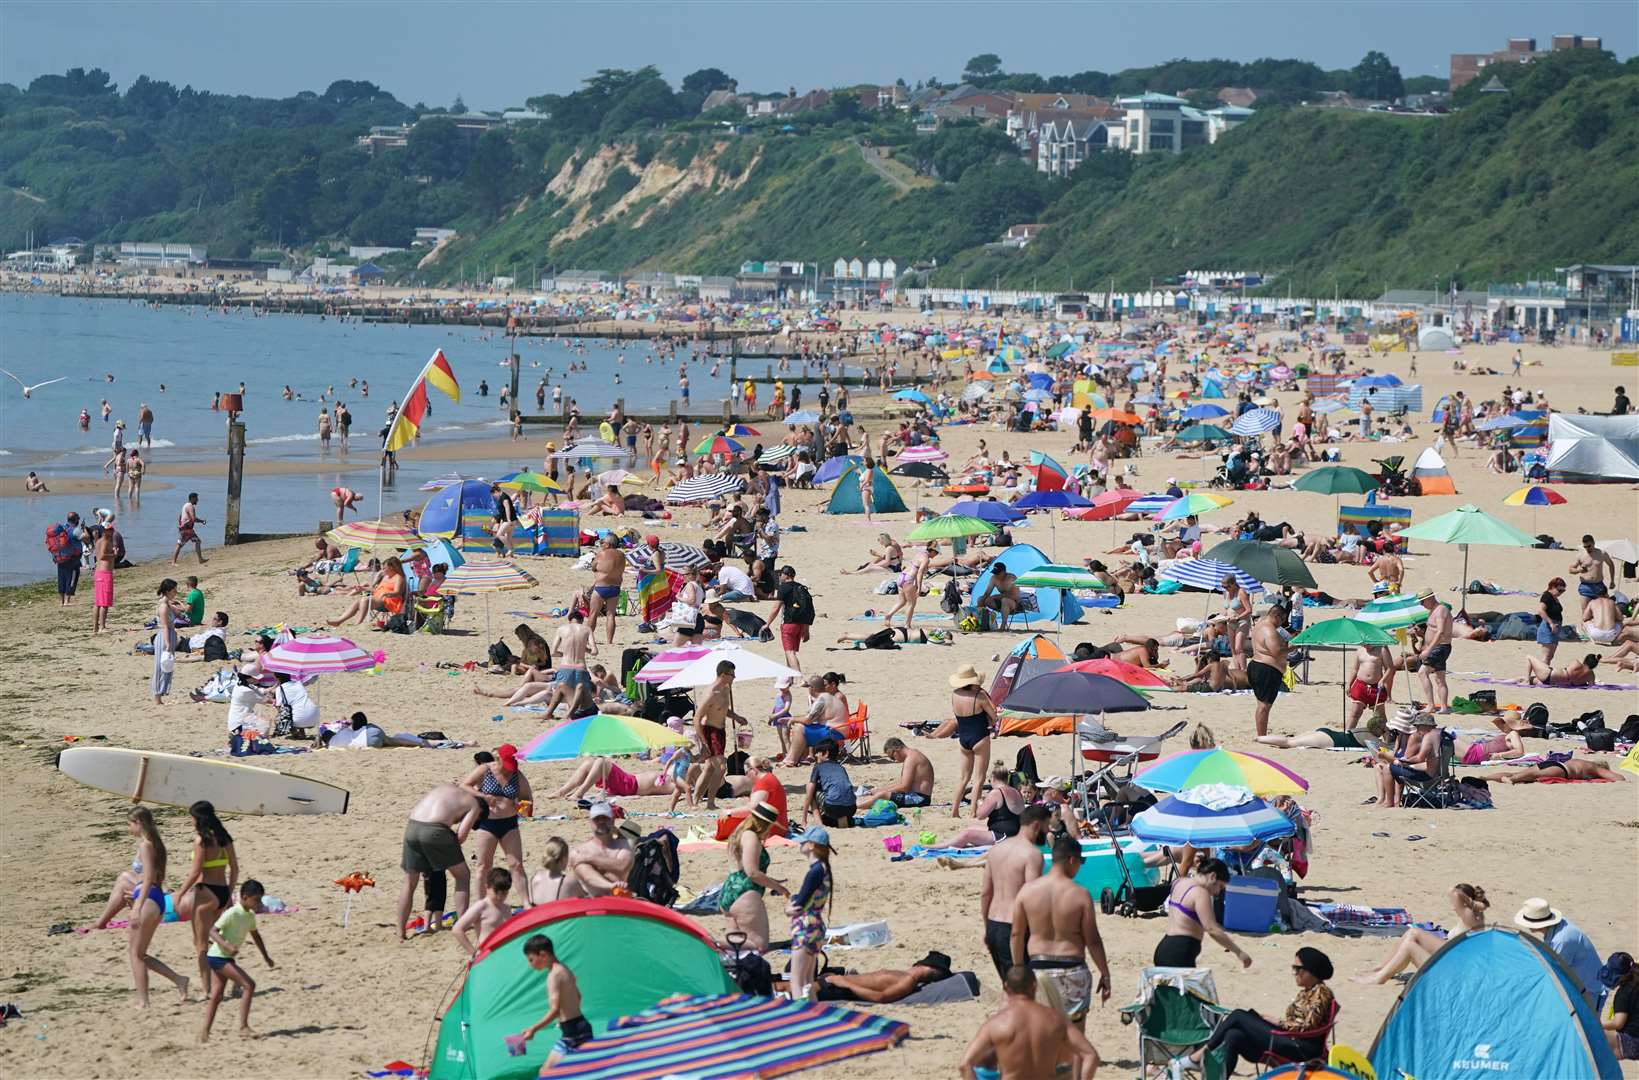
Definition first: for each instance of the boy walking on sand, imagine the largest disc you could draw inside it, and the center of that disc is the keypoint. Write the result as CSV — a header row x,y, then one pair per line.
x,y
227,938
488,913
563,995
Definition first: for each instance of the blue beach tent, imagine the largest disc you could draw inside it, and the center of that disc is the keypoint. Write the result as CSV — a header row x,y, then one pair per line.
x,y
1493,1002
885,497
1053,605
831,468
463,513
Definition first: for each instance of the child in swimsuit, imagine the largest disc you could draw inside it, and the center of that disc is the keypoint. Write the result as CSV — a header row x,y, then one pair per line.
x,y
807,910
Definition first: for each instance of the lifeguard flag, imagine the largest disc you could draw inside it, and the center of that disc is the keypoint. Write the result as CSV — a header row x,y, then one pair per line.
x,y
438,374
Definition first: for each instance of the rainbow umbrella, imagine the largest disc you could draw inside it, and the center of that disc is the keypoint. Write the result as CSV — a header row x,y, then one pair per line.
x,y
1196,502
374,536
528,480
609,736
1177,820
718,444
1193,768
487,576
740,431
1535,495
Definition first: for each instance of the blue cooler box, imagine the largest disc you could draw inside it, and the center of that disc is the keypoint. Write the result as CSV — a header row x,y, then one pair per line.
x,y
1249,904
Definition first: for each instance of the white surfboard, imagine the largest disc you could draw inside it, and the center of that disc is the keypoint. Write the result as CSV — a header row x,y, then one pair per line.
x,y
179,780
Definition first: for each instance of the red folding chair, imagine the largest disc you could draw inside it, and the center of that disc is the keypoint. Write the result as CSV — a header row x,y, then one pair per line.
x,y
1271,1060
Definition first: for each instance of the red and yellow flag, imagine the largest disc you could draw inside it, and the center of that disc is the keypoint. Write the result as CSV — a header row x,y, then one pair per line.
x,y
437,374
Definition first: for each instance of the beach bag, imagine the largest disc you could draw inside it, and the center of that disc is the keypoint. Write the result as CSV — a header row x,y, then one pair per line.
x,y
214,650
749,970
396,624
655,869
1602,740
882,639
950,601
1536,714
1629,732
500,655
284,724
60,543
882,812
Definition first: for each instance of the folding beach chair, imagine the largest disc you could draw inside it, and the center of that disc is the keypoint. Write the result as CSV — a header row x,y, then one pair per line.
x,y
1272,1060
856,737
1175,1012
1440,791
349,567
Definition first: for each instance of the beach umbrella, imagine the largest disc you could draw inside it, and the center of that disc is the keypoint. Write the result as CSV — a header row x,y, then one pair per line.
x,y
528,480
1344,632
1465,526
1195,503
951,526
1074,693
802,416
718,444
374,536
1128,674
678,556
1394,612
1328,405
1204,411
316,654
1208,574
1193,768
1052,500
924,453
992,510
1107,504
1268,563
705,488
439,483
831,468
1216,822
616,477
747,665
1620,550
1535,495
1378,380
668,663
592,450
487,576
1255,422
974,391
602,735
1207,434
1337,480
913,395
776,454
741,431
1055,576
922,470
1501,423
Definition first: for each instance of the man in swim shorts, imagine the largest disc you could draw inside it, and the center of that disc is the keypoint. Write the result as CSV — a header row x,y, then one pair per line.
x,y
1266,673
608,571
570,680
1369,682
439,824
106,551
914,785
1054,930
1435,653
1592,566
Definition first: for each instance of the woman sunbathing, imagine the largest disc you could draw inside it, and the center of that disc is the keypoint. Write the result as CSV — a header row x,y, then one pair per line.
x,y
1212,673
536,687
1331,738
891,559
1569,769
1503,746
1576,673
604,773
1468,903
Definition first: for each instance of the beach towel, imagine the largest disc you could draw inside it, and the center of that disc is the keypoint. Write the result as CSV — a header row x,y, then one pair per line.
x,y
1576,780
960,986
1625,687
927,851
921,616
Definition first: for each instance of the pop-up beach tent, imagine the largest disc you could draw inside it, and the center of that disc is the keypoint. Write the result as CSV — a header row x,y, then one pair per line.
x,y
1052,605
627,955
885,497
1493,1002
463,513
1033,656
1433,478
1435,339
1594,447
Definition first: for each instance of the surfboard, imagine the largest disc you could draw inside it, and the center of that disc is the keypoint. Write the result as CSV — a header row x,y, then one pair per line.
x,y
178,780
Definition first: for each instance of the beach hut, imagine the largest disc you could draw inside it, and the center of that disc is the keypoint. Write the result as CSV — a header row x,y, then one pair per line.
x,y
628,955
1433,478
1052,605
885,497
1448,1022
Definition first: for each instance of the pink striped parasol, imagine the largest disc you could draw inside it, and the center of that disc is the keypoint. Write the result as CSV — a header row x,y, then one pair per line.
x,y
317,654
666,664
923,453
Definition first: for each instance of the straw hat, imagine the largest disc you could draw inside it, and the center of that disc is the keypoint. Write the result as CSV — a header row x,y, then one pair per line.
x,y
1424,719
550,445
1538,914
765,814
1512,719
966,675
713,597
1426,594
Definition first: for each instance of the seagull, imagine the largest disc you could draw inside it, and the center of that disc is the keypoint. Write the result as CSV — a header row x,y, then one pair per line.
x,y
28,391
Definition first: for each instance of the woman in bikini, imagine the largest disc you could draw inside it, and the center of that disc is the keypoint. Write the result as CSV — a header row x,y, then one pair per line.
x,y
1576,673
910,582
975,716
1468,903
890,559
553,881
207,891
1190,917
500,784
148,904
604,773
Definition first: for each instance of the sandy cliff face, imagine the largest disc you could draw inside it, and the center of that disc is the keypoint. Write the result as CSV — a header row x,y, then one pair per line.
x,y
659,184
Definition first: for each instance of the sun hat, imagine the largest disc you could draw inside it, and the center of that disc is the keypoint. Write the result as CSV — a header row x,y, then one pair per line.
x,y
1424,719
1426,594
652,540
713,597
816,834
600,809
966,675
550,445
1538,914
936,960
631,829
765,813
1315,963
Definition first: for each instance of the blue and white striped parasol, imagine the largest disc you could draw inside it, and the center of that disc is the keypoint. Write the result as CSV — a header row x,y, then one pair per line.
x,y
439,483
1208,574
1174,820
1150,505
705,488
1255,422
678,556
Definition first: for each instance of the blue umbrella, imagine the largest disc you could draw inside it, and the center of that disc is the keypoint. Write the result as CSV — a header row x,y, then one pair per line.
x,y
997,513
1378,380
806,416
832,468
1175,821
1146,399
1498,423
1204,411
1051,500
913,395
1255,422
1037,395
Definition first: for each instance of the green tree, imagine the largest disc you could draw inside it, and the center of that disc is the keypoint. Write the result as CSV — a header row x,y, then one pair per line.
x,y
1376,77
150,97
706,80
437,148
981,67
492,171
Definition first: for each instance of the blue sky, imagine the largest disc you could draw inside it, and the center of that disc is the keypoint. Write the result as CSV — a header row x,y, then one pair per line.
x,y
498,54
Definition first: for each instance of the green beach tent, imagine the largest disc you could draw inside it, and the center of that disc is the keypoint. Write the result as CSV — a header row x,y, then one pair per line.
x,y
885,497
627,955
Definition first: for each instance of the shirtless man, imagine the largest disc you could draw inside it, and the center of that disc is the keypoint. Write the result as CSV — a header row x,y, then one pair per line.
x,y
883,987
1592,566
570,681
1435,653
914,786
437,828
1027,1039
827,720
1009,866
603,863
106,551
1572,769
186,521
1387,569
1266,674
1369,683
1002,595
608,571
1054,929
711,719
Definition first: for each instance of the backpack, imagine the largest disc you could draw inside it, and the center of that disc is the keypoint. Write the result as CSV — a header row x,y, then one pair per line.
x,y
62,545
655,869
801,608
214,649
950,601
1536,715
500,655
749,970
882,639
1629,731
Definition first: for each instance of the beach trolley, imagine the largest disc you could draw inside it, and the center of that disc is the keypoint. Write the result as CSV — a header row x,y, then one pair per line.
x,y
1111,794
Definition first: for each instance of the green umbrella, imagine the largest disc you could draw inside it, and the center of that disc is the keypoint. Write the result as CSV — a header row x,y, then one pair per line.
x,y
1469,525
1343,632
1204,433
1056,576
1268,563
949,526
1337,480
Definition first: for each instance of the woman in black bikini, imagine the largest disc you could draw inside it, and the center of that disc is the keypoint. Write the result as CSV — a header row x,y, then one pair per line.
x,y
975,716
1190,916
503,787
207,891
1569,769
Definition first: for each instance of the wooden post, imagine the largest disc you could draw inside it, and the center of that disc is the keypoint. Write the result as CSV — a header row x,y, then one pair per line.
x,y
236,480
671,413
728,413
514,400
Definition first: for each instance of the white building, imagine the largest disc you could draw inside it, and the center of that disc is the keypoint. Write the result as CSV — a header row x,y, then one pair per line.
x,y
1154,123
428,236
161,255
365,253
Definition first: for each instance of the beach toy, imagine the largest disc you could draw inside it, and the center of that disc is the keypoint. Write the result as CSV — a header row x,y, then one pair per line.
x,y
352,883
928,839
893,844
516,1045
526,808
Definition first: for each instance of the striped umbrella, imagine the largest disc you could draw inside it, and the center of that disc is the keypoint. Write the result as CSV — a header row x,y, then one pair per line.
x,y
528,480
615,477
678,556
1150,504
740,431
666,664
776,454
705,488
1055,576
487,576
374,536
730,1036
1175,820
702,670
924,453
610,736
592,449
1208,574
1393,612
1195,503
439,483
1192,768
1255,422
317,654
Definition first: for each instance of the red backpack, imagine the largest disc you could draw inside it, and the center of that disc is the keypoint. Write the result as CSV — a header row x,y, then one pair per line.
x,y
60,543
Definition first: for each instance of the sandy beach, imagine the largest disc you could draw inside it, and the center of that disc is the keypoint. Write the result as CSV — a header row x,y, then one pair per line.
x,y
343,1000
